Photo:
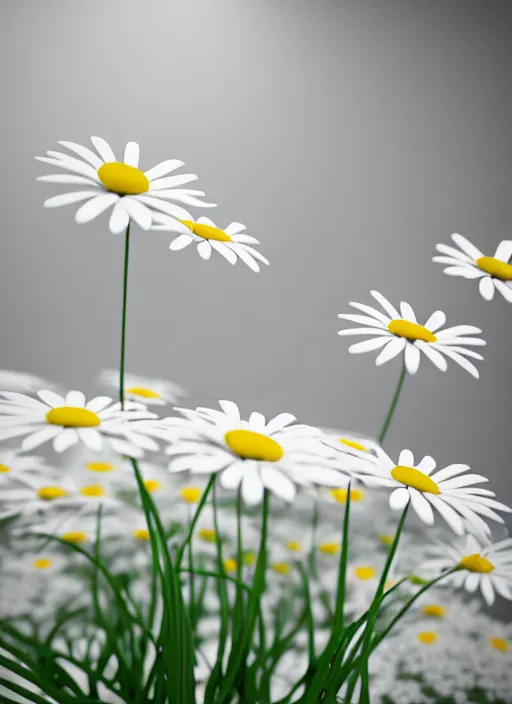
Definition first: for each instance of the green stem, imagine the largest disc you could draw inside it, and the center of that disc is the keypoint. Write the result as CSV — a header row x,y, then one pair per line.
x,y
391,411
123,320
202,501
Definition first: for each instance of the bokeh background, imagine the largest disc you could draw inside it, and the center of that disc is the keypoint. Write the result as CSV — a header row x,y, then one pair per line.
x,y
350,137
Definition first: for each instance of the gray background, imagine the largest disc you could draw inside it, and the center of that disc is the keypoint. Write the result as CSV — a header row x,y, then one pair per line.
x,y
349,136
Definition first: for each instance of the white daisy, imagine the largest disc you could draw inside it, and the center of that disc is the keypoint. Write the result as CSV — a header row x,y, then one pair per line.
x,y
15,464
152,392
482,565
470,263
394,332
68,420
253,454
231,242
449,491
133,194
35,496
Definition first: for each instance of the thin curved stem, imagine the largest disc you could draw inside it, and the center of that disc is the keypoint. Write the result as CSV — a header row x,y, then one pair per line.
x,y
123,319
391,411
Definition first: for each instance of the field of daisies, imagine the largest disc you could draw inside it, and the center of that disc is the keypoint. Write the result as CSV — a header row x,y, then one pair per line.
x,y
164,555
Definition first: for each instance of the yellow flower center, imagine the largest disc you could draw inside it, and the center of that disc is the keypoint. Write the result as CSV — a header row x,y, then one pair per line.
x,y
230,564
499,644
93,490
152,485
281,567
416,479
427,637
329,548
100,467
142,392
386,539
412,331
495,268
191,494
208,534
141,534
122,178
293,545
47,493
476,563
354,445
43,563
4,469
434,610
340,495
70,417
75,536
364,573
249,559
207,232
253,446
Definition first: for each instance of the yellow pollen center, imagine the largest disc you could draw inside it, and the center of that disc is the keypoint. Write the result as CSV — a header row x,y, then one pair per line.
x,y
434,610
364,573
191,494
281,567
208,534
412,331
386,539
71,417
122,178
142,392
253,446
141,534
354,445
340,495
99,467
249,559
476,563
230,564
93,490
43,563
293,545
75,536
416,479
47,493
499,644
427,637
329,548
4,469
207,232
152,485
495,268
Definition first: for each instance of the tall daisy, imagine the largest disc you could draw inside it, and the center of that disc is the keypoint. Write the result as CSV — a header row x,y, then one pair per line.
x,y
254,454
469,262
231,242
394,332
449,490
106,183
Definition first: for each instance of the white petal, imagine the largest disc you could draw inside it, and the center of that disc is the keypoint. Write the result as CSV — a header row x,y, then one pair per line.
x,y
456,348
231,410
363,320
450,471
462,362
180,242
436,321
244,255
364,331
467,247
232,476
68,179
257,420
486,288
278,483
368,345
435,357
40,437
472,582
98,404
24,401
450,516
119,220
68,198
373,312
204,249
91,438
457,331
461,481
104,149
465,272
505,289
51,398
175,211
76,399
131,154
452,252
391,350
487,590
412,358
278,422
504,251
163,168
224,250
95,207
390,309
406,459
243,239
427,464
84,152
407,312
206,221
171,181
138,212
65,439
398,499
234,228
422,507
252,486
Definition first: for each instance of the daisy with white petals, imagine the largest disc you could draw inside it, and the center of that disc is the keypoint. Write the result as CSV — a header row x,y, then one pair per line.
x,y
254,455
469,262
481,565
231,242
449,490
395,332
68,420
108,183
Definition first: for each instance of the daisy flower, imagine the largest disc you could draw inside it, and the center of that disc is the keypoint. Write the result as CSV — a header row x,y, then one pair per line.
x,y
481,565
68,420
35,496
395,332
152,392
451,492
254,455
108,183
231,242
470,263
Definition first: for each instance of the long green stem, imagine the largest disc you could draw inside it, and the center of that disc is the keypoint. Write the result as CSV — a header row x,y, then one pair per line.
x,y
392,408
123,319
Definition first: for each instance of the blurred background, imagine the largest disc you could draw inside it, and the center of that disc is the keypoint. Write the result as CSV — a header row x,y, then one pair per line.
x,y
350,137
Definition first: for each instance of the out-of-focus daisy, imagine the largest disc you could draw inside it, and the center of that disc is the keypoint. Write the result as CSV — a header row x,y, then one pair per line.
x,y
35,496
231,242
469,262
131,193
449,490
152,392
254,455
68,420
395,332
15,464
481,565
